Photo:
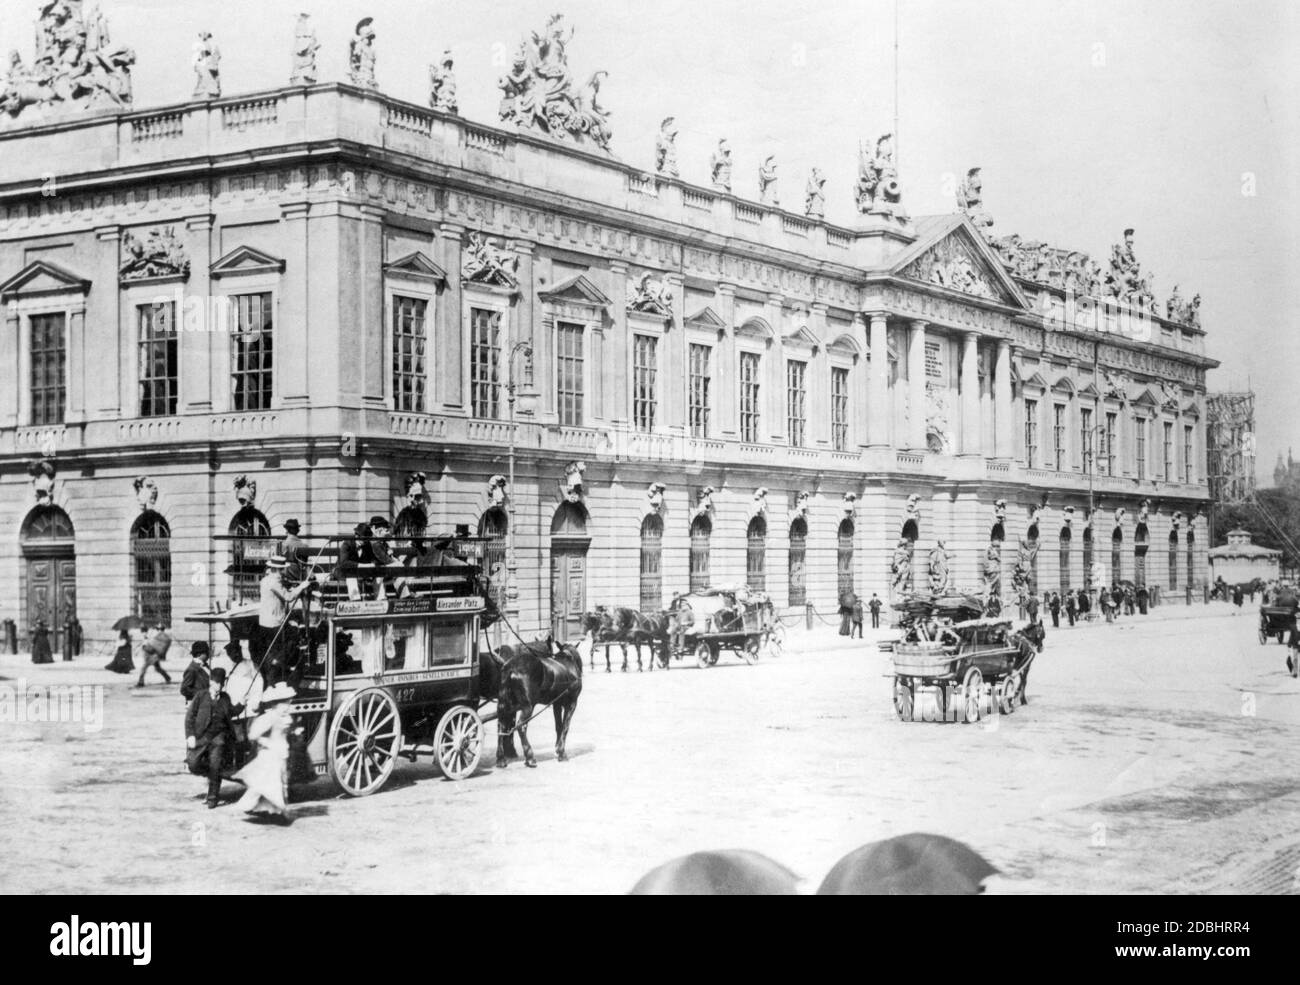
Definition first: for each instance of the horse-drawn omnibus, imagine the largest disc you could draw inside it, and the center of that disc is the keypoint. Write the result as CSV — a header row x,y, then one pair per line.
x,y
385,662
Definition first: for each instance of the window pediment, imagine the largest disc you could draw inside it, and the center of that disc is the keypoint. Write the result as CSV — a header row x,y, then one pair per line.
x,y
577,290
803,340
246,260
417,266
41,278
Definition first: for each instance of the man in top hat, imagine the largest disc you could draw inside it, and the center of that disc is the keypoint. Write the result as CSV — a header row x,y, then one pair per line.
x,y
195,678
209,733
273,611
296,553
354,551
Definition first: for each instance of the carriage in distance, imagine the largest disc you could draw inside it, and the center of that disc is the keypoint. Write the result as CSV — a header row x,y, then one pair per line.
x,y
740,620
382,674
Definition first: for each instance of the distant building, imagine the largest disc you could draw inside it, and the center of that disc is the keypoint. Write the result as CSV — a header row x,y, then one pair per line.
x,y
1240,561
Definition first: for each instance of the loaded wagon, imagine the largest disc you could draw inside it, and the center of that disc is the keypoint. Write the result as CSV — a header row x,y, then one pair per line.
x,y
738,620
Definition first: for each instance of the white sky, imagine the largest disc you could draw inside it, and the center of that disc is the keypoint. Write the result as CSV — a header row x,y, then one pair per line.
x,y
1085,116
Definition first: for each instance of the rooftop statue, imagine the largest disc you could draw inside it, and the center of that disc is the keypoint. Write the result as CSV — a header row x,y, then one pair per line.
x,y
538,93
442,85
767,182
207,67
970,201
814,196
1044,264
666,148
76,67
305,47
1183,312
720,166
361,55
877,189
1125,281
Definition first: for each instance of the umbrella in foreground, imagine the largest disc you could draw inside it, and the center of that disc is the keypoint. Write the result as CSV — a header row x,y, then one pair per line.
x,y
724,873
909,865
128,623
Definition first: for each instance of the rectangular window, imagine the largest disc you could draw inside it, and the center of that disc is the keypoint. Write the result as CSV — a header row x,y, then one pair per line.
x,y
1110,444
1140,443
49,364
410,360
568,373
840,409
251,351
158,359
1031,433
485,363
1085,438
645,372
749,418
1169,453
699,395
1189,474
795,401
1058,436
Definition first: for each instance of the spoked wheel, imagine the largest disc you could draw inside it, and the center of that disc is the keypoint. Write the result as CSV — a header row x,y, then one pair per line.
x,y
749,652
904,700
1010,696
972,686
702,655
458,743
365,737
776,641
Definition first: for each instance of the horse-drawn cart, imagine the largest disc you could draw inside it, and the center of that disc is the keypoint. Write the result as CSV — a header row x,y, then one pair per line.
x,y
741,621
1276,621
962,671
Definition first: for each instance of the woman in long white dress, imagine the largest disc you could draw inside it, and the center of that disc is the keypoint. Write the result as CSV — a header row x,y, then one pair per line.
x,y
266,776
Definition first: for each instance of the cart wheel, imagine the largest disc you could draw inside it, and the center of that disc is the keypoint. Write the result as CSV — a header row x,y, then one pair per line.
x,y
749,653
715,651
904,700
1009,695
702,655
458,742
971,687
364,740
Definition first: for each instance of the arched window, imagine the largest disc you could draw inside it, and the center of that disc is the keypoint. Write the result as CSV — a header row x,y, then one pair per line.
x,y
1191,559
652,579
1141,537
701,531
1065,540
1088,580
151,555
844,559
1116,547
756,554
49,572
492,527
1173,560
798,556
246,571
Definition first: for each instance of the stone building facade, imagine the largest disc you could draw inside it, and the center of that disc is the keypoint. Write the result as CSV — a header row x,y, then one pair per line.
x,y
232,311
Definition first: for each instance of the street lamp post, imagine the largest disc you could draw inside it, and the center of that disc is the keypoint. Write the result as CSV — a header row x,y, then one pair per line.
x,y
512,564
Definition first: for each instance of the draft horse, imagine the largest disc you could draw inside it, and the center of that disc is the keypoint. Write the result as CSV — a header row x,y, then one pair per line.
x,y
618,624
531,674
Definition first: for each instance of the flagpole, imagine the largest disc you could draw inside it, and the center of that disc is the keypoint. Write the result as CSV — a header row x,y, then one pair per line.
x,y
897,142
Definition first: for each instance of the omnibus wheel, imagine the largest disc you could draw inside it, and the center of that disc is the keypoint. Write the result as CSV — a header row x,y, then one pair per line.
x,y
458,742
365,738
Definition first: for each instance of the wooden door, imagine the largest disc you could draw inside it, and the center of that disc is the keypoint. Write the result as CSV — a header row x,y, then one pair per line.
x,y
568,592
51,595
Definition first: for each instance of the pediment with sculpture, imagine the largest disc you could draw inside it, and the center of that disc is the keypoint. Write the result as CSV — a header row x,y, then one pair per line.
x,y
955,264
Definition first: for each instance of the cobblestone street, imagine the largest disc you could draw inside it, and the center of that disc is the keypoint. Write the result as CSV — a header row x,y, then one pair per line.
x,y
1156,755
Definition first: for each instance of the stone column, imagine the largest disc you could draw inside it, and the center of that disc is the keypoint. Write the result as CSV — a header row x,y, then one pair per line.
x,y
970,394
449,347
105,397
878,389
294,335
77,355
194,320
860,390
916,386
13,383
1002,434
819,381
615,368
375,361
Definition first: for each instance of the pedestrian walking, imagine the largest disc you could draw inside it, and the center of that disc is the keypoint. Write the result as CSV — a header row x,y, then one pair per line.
x,y
1054,607
857,617
267,775
1237,596
874,606
154,652
41,653
209,733
1143,600
195,678
1071,605
1031,607
846,614
122,662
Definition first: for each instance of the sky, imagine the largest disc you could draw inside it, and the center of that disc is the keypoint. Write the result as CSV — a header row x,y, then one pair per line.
x,y
1181,119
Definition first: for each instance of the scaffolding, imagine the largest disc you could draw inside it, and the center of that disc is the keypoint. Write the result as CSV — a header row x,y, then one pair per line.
x,y
1230,447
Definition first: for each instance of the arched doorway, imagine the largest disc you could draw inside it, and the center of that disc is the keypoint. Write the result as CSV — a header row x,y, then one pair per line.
x,y
248,557
1141,541
844,559
756,554
701,532
1116,552
1173,560
569,543
1065,542
48,545
798,559
151,568
492,527
652,569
